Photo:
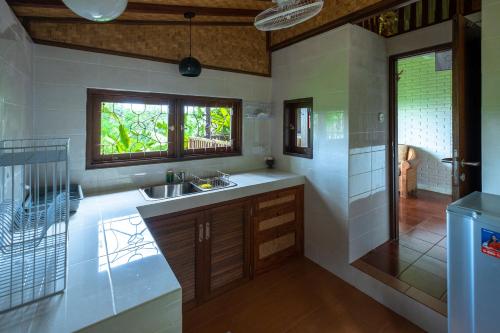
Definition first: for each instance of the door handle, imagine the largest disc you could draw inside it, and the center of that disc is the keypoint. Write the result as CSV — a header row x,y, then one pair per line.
x,y
448,160
200,232
475,164
207,231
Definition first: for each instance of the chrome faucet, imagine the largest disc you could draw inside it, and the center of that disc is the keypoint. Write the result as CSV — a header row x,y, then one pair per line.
x,y
181,176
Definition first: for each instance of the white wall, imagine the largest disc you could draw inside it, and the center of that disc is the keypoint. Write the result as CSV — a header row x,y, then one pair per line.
x,y
16,92
422,38
62,77
345,71
491,97
16,120
368,137
425,119
310,69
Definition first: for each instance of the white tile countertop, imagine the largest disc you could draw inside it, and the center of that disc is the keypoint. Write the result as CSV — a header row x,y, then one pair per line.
x,y
117,279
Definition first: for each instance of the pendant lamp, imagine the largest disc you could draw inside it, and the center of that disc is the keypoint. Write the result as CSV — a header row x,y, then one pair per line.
x,y
190,66
97,10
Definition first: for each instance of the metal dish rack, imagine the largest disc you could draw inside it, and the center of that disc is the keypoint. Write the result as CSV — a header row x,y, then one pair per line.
x,y
216,181
33,233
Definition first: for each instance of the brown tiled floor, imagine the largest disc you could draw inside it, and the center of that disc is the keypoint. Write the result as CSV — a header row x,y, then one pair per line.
x,y
419,257
299,296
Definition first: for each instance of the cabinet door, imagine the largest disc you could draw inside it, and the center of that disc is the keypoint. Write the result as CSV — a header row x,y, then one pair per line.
x,y
278,227
228,248
180,239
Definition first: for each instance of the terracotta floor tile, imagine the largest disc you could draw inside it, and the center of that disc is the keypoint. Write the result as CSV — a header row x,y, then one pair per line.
x,y
425,281
434,226
442,243
383,277
395,249
420,254
415,244
424,235
432,265
404,228
438,252
429,301
387,263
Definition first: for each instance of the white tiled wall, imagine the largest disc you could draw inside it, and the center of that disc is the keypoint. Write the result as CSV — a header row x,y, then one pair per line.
x,y
346,199
319,68
368,128
491,97
16,118
16,87
62,77
425,119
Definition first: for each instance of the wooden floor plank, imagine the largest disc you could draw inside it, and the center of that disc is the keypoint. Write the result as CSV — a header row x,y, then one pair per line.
x,y
300,296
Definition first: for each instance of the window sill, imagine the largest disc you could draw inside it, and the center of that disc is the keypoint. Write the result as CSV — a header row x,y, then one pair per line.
x,y
308,156
92,165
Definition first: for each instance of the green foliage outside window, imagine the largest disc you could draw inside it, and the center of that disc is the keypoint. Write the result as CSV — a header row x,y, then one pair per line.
x,y
209,123
133,128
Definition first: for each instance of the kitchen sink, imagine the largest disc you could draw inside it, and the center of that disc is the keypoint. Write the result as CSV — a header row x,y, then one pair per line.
x,y
168,191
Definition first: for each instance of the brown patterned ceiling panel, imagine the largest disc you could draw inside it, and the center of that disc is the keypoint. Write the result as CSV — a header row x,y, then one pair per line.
x,y
225,37
214,46
332,10
242,4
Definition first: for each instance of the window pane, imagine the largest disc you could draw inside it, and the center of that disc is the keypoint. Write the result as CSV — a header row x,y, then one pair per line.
x,y
133,128
302,125
207,128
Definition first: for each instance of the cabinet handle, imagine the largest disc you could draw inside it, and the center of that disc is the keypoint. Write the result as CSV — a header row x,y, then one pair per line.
x,y
200,232
207,231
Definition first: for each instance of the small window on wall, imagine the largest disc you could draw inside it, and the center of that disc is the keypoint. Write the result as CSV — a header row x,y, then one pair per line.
x,y
298,129
127,128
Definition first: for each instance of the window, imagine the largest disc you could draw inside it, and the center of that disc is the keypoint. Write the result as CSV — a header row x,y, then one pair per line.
x,y
126,128
297,128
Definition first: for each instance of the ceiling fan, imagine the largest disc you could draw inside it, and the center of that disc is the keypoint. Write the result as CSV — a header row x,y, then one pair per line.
x,y
287,13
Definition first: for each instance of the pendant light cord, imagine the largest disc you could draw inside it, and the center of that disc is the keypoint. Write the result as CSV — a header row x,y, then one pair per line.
x,y
190,27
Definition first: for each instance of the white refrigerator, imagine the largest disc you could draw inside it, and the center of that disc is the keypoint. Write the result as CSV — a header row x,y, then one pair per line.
x,y
473,225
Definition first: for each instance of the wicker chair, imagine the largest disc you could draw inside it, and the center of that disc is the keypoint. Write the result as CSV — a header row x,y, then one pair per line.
x,y
407,158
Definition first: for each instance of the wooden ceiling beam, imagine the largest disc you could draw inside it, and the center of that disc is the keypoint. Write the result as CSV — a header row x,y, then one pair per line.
x,y
71,20
148,8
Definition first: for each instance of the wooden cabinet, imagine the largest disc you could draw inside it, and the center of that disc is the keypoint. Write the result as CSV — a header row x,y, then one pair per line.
x,y
213,249
277,227
180,238
209,251
228,249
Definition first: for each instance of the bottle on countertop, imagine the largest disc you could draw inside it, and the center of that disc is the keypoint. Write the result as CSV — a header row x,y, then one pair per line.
x,y
169,178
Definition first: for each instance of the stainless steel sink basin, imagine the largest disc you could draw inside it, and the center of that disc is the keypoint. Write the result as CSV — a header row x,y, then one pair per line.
x,y
168,191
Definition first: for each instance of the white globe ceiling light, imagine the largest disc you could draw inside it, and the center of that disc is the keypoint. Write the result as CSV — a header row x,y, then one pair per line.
x,y
287,13
97,10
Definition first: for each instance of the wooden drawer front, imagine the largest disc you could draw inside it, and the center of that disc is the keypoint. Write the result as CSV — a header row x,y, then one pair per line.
x,y
176,238
228,244
277,228
276,218
277,245
286,197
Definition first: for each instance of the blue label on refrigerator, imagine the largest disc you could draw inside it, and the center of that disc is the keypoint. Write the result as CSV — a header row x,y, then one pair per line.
x,y
490,243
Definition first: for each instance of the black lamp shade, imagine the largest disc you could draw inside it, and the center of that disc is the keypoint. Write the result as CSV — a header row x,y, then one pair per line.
x,y
190,66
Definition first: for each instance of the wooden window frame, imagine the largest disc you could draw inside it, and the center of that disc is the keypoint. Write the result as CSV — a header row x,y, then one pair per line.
x,y
175,152
236,125
289,135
